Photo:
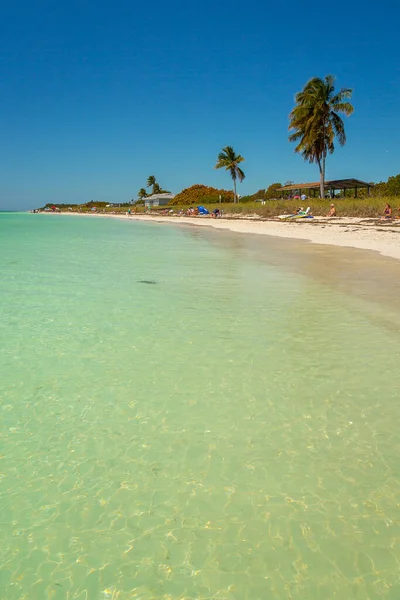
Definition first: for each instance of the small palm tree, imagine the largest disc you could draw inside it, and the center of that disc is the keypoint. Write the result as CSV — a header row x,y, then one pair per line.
x,y
151,182
315,121
142,194
228,160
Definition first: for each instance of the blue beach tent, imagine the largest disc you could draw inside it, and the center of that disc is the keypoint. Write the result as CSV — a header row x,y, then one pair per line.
x,y
202,210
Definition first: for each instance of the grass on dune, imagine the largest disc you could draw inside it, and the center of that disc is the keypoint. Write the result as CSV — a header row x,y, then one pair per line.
x,y
349,207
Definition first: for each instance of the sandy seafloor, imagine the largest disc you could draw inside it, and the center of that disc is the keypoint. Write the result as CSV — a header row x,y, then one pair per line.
x,y
364,234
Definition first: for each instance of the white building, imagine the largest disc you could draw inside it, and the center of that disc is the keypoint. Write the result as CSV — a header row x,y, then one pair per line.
x,y
158,200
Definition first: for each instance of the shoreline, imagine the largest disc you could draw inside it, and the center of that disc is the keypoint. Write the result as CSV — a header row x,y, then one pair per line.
x,y
351,232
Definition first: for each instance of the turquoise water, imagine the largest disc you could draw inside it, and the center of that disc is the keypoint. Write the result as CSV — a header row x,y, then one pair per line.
x,y
183,417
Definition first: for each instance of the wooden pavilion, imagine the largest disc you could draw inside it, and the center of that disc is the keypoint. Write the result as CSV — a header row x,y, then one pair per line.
x,y
330,186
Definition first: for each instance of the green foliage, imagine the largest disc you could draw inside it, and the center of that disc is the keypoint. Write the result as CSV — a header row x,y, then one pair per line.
x,y
272,191
201,194
93,203
246,199
229,160
264,194
156,188
60,206
260,195
379,189
142,194
391,187
151,181
315,121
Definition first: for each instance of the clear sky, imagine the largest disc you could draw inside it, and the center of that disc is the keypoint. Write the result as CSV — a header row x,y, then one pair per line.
x,y
95,96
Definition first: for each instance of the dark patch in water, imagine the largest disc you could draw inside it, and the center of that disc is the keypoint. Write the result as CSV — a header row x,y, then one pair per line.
x,y
148,281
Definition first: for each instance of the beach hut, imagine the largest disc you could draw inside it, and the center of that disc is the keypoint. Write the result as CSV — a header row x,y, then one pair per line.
x,y
158,200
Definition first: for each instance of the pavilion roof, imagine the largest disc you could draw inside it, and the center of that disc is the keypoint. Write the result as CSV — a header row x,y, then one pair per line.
x,y
338,184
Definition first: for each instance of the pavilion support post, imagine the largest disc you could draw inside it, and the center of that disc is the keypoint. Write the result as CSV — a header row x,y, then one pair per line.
x,y
355,192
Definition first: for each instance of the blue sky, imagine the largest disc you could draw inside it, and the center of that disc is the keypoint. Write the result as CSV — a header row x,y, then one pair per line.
x,y
97,97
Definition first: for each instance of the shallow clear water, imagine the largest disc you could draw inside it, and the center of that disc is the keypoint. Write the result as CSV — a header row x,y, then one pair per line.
x,y
185,417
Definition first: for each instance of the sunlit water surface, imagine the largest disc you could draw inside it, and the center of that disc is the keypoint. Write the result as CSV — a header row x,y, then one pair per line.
x,y
184,416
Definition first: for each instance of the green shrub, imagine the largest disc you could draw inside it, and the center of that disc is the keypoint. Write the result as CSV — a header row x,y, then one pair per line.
x,y
201,194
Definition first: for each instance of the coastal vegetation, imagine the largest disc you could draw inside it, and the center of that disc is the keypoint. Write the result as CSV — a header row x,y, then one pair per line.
x,y
151,182
345,207
391,187
316,123
201,194
155,188
371,208
230,161
271,193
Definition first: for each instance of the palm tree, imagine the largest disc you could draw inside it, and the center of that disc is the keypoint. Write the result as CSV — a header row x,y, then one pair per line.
x,y
142,194
228,160
151,182
315,121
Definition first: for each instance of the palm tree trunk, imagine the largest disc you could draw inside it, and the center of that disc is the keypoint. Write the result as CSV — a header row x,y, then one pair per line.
x,y
322,168
321,183
321,165
234,192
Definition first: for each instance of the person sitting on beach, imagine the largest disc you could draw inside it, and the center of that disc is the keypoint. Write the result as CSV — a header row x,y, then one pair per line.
x,y
300,210
387,213
216,213
332,212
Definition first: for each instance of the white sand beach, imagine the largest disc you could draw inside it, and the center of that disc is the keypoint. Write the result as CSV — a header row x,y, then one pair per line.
x,y
365,234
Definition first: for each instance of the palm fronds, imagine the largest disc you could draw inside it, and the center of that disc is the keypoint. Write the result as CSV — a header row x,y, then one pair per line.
x,y
315,122
229,160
